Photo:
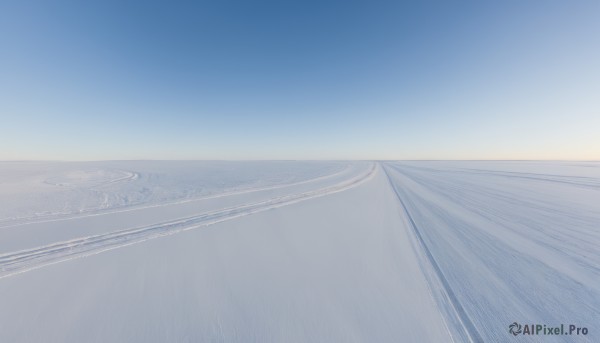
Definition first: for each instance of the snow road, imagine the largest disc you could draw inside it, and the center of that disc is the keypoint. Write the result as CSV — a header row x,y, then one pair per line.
x,y
519,242
341,252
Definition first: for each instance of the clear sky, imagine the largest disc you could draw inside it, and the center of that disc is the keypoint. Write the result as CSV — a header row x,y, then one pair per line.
x,y
88,80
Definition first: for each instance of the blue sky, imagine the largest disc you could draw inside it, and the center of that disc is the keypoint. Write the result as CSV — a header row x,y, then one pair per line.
x,y
88,80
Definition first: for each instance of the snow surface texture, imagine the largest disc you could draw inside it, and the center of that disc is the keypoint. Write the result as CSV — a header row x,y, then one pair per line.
x,y
40,189
297,251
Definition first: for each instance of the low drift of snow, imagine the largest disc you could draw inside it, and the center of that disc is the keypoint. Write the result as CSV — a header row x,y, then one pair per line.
x,y
298,251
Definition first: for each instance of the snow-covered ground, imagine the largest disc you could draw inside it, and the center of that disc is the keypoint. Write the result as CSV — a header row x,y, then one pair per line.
x,y
512,241
30,190
295,251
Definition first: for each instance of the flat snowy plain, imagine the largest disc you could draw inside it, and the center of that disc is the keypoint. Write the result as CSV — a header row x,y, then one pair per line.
x,y
297,251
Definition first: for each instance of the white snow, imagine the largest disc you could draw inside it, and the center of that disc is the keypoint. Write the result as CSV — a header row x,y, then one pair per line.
x,y
35,190
515,241
141,251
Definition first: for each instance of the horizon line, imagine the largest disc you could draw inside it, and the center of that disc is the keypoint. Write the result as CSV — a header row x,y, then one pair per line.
x,y
308,160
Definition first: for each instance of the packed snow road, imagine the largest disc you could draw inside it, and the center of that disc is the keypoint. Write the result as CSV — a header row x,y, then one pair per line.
x,y
302,252
509,241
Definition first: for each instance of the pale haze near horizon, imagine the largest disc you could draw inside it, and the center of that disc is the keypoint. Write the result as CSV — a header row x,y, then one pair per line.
x,y
314,80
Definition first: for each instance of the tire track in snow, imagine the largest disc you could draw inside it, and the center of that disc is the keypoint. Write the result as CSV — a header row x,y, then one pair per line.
x,y
461,315
100,212
30,259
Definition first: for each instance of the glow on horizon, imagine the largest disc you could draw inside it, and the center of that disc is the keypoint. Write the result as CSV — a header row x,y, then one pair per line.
x,y
311,80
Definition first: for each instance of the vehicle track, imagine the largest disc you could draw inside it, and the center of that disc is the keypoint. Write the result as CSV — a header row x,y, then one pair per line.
x,y
29,259
461,317
6,223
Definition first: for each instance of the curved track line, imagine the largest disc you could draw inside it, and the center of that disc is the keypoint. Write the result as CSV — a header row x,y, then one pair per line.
x,y
460,312
26,260
70,216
